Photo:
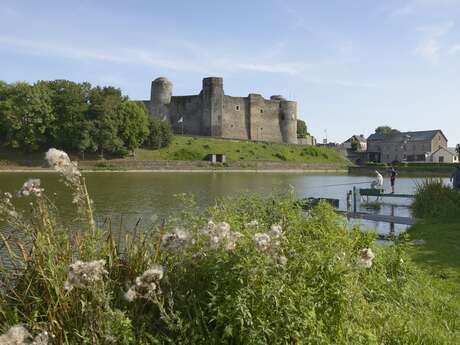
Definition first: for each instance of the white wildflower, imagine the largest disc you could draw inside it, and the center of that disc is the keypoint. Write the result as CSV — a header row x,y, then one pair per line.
x,y
276,231
130,295
16,335
7,195
146,284
41,339
262,241
252,224
13,213
366,257
282,260
81,274
31,186
223,229
174,239
210,227
61,162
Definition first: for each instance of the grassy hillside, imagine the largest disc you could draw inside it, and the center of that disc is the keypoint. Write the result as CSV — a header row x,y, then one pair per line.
x,y
189,148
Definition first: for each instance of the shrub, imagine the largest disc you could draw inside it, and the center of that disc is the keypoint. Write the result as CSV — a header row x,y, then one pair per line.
x,y
433,199
253,269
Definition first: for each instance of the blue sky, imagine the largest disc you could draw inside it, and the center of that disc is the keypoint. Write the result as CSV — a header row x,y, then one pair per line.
x,y
352,65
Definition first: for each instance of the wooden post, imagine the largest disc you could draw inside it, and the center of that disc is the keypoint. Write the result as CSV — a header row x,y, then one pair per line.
x,y
354,199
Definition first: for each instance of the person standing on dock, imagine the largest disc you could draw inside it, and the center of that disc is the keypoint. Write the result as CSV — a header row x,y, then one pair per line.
x,y
393,174
455,178
378,181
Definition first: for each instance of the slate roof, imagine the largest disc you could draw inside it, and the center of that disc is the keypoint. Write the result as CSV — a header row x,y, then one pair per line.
x,y
411,136
451,150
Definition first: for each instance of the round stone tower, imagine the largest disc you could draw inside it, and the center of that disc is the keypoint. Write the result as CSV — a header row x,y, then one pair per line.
x,y
160,97
288,113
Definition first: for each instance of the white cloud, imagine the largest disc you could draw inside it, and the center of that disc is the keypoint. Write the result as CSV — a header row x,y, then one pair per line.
x,y
430,46
201,62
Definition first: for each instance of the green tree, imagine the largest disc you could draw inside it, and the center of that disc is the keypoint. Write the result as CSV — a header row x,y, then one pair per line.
x,y
72,129
302,131
355,144
457,148
104,113
27,115
386,130
134,124
160,134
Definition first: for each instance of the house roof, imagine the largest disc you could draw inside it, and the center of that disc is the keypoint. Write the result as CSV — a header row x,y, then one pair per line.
x,y
411,136
451,150
360,137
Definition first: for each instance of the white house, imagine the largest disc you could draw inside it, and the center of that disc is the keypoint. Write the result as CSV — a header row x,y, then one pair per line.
x,y
444,155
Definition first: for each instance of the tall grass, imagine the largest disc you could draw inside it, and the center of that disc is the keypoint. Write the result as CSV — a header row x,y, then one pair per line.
x,y
434,199
250,270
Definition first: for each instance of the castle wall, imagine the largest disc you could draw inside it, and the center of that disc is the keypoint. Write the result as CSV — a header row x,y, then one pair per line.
x,y
211,113
264,118
190,109
235,122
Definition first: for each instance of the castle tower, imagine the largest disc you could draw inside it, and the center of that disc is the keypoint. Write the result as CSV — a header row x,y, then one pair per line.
x,y
288,113
160,97
213,106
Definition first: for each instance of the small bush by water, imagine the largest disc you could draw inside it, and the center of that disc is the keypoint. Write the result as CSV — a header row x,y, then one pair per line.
x,y
434,199
250,270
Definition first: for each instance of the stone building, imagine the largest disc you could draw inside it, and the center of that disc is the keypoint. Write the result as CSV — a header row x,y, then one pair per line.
x,y
405,146
212,113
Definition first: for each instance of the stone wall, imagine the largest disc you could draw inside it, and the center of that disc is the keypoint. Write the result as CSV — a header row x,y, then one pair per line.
x,y
211,113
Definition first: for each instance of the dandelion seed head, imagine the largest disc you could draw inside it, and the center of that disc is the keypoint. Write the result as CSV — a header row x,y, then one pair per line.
x,y
61,162
130,295
252,224
276,231
262,241
174,239
282,260
366,257
16,335
31,187
82,274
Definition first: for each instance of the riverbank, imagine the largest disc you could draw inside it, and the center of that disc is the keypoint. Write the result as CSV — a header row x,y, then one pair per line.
x,y
190,154
134,165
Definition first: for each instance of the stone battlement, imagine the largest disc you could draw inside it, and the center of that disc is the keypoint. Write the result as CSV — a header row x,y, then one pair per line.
x,y
212,113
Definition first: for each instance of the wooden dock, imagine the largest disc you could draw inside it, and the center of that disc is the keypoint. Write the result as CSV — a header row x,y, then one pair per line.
x,y
379,217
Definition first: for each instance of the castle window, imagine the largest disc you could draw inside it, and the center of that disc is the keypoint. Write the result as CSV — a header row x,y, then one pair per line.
x,y
237,107
261,111
282,117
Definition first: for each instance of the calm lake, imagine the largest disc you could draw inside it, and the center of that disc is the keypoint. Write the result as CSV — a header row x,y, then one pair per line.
x,y
149,195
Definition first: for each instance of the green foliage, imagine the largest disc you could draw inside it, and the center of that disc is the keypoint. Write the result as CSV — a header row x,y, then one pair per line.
x,y
302,130
355,144
306,286
26,115
135,124
457,148
160,135
435,200
386,130
71,116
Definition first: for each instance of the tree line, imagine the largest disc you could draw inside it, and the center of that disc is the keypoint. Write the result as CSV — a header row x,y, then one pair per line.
x,y
76,117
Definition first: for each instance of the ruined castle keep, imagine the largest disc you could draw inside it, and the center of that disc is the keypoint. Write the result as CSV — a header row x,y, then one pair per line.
x,y
214,114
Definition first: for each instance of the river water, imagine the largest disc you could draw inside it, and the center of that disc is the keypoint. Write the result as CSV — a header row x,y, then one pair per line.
x,y
149,195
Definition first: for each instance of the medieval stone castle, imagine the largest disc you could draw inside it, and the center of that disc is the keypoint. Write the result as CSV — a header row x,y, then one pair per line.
x,y
212,113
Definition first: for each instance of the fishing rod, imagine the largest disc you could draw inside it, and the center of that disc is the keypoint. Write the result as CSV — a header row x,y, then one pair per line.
x,y
341,184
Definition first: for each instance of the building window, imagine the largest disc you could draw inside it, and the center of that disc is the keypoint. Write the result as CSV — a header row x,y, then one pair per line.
x,y
237,107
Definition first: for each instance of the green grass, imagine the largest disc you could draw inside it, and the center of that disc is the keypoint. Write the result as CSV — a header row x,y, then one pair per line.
x,y
440,254
189,148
